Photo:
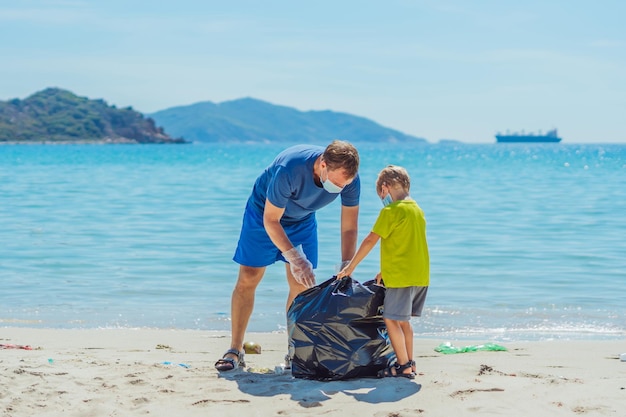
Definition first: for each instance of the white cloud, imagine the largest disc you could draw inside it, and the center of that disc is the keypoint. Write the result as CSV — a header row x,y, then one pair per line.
x,y
606,43
45,15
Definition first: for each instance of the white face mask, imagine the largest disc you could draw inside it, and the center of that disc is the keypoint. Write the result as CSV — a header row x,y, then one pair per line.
x,y
386,200
330,186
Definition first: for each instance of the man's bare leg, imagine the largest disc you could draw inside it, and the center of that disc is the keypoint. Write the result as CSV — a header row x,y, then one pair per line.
x,y
242,304
294,287
294,290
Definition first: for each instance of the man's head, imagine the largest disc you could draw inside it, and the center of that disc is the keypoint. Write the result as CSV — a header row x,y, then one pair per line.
x,y
393,177
341,156
339,165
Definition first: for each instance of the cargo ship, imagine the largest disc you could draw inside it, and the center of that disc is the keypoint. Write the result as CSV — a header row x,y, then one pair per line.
x,y
550,136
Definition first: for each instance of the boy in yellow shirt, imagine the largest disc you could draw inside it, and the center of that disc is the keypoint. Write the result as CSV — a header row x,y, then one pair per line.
x,y
404,264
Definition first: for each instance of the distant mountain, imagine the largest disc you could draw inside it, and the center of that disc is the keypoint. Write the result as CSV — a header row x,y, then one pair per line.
x,y
249,120
56,115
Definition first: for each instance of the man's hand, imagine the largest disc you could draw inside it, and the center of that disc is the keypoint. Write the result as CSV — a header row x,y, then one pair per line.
x,y
300,266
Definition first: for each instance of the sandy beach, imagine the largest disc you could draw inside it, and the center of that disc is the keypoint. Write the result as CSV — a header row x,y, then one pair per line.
x,y
126,372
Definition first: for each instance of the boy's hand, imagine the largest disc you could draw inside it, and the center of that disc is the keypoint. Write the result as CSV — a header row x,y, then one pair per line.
x,y
346,271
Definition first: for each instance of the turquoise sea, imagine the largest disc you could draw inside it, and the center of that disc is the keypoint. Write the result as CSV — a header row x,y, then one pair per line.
x,y
527,242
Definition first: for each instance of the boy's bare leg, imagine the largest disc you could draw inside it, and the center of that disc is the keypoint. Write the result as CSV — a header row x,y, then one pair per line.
x,y
396,329
407,329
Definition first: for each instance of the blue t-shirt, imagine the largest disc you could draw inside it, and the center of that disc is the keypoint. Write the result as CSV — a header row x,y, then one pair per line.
x,y
288,183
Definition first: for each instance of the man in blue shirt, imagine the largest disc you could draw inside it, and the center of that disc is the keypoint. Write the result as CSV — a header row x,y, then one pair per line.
x,y
279,224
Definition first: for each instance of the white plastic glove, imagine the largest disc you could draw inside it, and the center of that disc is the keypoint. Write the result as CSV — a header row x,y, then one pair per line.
x,y
301,268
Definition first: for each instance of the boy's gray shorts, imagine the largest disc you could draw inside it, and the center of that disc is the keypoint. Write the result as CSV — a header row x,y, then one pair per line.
x,y
402,303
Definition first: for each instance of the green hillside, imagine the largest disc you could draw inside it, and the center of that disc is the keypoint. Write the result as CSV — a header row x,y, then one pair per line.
x,y
249,120
56,115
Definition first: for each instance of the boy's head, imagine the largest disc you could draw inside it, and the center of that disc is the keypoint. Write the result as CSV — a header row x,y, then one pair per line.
x,y
395,177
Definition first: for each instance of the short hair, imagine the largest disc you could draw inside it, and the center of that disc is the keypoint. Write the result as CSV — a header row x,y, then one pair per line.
x,y
393,176
342,155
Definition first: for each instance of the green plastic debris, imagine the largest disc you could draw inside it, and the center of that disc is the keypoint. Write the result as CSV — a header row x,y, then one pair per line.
x,y
448,348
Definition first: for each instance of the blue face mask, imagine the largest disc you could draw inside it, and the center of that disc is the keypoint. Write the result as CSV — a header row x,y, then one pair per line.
x,y
330,186
387,200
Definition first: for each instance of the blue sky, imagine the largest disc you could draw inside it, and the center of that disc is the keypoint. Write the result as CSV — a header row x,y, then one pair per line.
x,y
438,69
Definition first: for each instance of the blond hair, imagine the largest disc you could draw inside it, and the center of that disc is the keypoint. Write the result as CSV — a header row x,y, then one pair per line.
x,y
393,176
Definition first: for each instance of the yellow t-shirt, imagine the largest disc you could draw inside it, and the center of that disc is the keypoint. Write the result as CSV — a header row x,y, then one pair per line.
x,y
404,259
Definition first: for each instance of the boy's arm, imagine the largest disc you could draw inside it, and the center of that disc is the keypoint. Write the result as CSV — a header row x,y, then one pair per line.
x,y
366,246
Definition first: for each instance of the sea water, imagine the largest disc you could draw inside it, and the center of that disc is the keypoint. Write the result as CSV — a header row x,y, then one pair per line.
x,y
526,241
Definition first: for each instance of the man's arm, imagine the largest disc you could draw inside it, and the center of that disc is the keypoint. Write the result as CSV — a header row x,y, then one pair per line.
x,y
300,267
271,222
349,231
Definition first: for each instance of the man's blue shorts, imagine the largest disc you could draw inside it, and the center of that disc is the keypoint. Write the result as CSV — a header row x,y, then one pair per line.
x,y
255,248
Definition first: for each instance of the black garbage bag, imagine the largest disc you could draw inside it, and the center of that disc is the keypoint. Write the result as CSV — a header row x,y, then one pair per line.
x,y
336,331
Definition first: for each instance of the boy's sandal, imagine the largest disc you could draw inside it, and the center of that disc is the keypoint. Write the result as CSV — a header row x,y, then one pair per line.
x,y
230,364
389,371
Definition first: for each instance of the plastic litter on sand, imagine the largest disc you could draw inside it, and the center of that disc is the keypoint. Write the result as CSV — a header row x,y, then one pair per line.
x,y
448,348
